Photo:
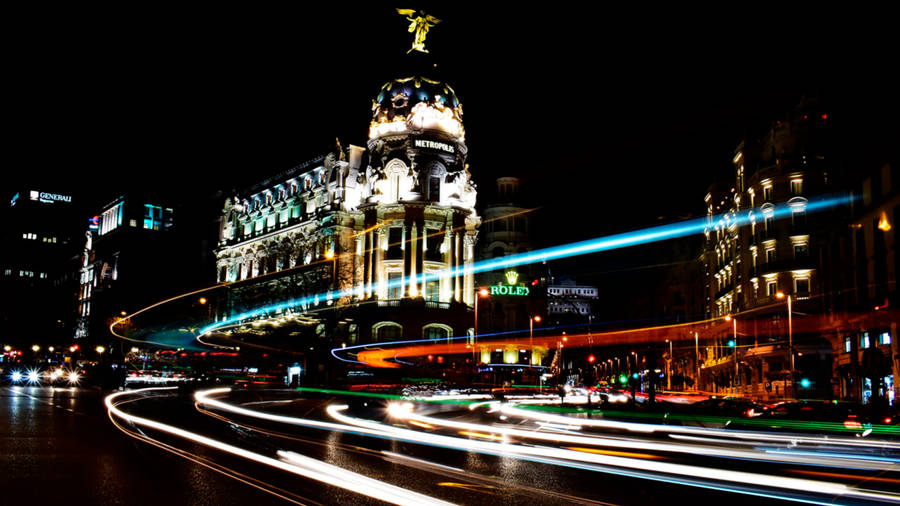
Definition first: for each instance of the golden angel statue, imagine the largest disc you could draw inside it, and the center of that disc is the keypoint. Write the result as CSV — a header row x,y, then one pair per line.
x,y
420,25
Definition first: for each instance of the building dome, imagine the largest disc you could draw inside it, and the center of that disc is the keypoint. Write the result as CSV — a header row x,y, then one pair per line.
x,y
416,104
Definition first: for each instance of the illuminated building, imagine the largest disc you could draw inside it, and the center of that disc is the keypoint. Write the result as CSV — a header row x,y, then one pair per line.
x,y
569,300
746,266
129,246
863,288
387,231
38,240
514,295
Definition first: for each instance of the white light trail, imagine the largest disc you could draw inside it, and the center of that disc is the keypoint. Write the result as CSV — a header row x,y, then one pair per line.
x,y
321,472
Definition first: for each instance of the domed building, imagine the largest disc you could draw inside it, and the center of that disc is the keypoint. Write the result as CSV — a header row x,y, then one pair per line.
x,y
374,244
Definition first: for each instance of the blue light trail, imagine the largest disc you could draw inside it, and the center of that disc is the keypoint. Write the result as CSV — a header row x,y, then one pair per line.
x,y
645,236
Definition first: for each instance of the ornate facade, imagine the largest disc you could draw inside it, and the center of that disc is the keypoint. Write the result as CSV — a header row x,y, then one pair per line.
x,y
392,225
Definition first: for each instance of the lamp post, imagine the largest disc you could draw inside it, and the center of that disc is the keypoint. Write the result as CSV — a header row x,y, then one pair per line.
x,y
669,367
531,320
782,295
329,255
734,341
478,294
697,357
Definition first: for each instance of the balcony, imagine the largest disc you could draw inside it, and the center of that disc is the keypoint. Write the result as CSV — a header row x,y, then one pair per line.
x,y
787,265
724,291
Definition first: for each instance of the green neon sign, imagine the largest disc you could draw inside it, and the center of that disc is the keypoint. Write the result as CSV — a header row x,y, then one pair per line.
x,y
509,290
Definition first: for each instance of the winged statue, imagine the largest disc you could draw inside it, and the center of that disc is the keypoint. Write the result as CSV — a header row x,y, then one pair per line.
x,y
418,25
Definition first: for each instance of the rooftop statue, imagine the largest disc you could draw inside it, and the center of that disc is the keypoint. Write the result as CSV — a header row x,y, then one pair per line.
x,y
420,25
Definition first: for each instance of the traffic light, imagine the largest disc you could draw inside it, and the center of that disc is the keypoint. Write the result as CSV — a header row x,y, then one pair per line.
x,y
731,343
623,379
805,383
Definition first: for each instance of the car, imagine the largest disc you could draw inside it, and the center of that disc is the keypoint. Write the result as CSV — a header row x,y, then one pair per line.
x,y
715,412
825,417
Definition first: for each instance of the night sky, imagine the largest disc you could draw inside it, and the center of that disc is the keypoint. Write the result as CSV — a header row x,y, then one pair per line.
x,y
612,118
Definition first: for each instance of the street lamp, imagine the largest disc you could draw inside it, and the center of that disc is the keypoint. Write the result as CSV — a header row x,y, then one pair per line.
x,y
329,255
669,366
478,294
534,318
99,350
35,348
782,295
734,342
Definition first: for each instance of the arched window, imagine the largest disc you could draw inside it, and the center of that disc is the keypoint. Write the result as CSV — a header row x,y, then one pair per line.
x,y
436,331
387,331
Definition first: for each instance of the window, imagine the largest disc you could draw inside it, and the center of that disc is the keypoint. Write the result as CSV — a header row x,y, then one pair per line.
x,y
884,338
770,256
152,217
434,188
387,331
801,285
395,242
767,193
111,218
435,332
433,242
848,344
864,340
801,251
433,290
395,288
796,186
771,288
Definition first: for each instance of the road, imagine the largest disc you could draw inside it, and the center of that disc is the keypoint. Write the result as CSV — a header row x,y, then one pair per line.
x,y
281,446
59,447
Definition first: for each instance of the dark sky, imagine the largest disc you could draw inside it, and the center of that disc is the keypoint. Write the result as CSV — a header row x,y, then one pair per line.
x,y
612,118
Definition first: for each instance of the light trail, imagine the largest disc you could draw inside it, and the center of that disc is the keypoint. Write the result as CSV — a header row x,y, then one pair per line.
x,y
673,473
679,473
645,236
307,467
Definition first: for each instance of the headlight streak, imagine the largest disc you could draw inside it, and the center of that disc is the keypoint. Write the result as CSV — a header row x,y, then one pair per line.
x,y
783,457
648,235
197,459
689,474
679,473
322,472
642,427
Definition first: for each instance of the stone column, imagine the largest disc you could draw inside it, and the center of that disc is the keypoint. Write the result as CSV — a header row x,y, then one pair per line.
x,y
469,285
413,247
456,269
380,281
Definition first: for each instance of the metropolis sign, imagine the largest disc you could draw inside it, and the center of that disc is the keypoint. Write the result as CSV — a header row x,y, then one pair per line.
x,y
440,146
49,198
